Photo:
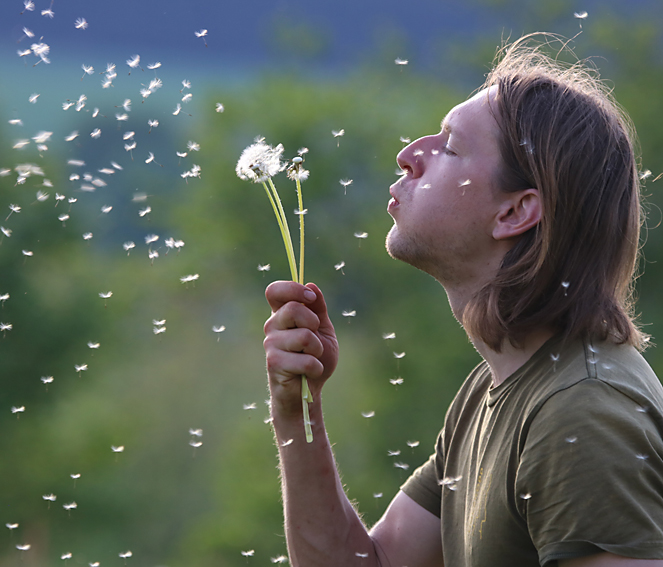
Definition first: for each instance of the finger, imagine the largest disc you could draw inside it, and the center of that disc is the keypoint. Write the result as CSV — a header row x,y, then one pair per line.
x,y
288,365
319,307
290,316
282,292
294,340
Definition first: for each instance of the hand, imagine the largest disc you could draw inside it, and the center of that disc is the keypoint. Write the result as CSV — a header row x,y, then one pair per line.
x,y
300,340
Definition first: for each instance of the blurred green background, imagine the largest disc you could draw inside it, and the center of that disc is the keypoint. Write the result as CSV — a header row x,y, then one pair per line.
x,y
166,501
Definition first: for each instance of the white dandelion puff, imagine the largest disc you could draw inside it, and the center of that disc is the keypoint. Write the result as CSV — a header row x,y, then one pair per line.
x,y
259,161
81,24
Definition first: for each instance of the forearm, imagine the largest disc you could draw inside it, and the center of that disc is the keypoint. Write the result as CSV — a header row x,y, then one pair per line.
x,y
321,526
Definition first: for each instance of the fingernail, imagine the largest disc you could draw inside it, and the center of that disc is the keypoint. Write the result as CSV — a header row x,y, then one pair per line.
x,y
310,295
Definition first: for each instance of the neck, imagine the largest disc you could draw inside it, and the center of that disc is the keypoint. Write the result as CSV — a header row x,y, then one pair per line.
x,y
504,363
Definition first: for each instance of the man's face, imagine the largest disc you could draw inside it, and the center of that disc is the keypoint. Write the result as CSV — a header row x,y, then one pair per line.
x,y
445,204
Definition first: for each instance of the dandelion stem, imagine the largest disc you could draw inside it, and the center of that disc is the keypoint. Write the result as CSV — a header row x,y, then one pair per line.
x,y
306,392
301,231
285,234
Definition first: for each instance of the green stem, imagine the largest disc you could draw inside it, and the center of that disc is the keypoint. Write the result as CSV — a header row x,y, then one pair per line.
x,y
285,233
301,231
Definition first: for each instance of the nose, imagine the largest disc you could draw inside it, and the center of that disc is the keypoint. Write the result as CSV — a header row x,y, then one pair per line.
x,y
411,158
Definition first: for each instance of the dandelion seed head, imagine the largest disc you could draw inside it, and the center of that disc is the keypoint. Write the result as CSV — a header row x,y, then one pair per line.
x,y
259,161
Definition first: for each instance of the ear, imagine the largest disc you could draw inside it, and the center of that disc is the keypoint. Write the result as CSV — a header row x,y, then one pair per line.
x,y
518,212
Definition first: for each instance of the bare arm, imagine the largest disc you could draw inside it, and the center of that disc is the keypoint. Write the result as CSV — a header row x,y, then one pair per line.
x,y
322,528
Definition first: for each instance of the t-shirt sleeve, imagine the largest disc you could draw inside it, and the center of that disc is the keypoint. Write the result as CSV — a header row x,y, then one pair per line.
x,y
423,486
590,476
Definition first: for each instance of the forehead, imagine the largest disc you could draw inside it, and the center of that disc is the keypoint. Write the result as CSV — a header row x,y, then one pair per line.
x,y
474,118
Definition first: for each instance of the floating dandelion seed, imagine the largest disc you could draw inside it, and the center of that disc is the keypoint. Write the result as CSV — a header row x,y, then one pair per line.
x,y
128,246
158,330
11,526
580,15
464,183
362,555
403,466
63,218
96,133
641,409
93,346
399,355
4,327
400,61
388,336
117,449
66,556
23,547
393,453
4,297
187,97
526,496
450,482
645,175
50,497
219,107
13,209
352,313
94,564
412,444
279,559
396,381
361,235
27,253
125,555
368,414
75,476
196,432
87,236
218,330
80,368
571,440
566,285
264,267
146,211
345,183
287,442
81,24
340,266
248,553
377,495
250,406
42,196
195,444
202,33
28,6
337,134
189,278
33,98
6,231
177,110
153,66
71,137
641,456
17,410
133,62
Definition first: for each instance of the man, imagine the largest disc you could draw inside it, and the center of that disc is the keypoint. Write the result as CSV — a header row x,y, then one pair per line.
x,y
525,207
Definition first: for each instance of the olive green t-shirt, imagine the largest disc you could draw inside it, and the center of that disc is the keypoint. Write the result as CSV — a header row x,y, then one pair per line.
x,y
561,460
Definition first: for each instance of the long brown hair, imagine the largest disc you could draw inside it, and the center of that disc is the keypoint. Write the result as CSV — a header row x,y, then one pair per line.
x,y
564,134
